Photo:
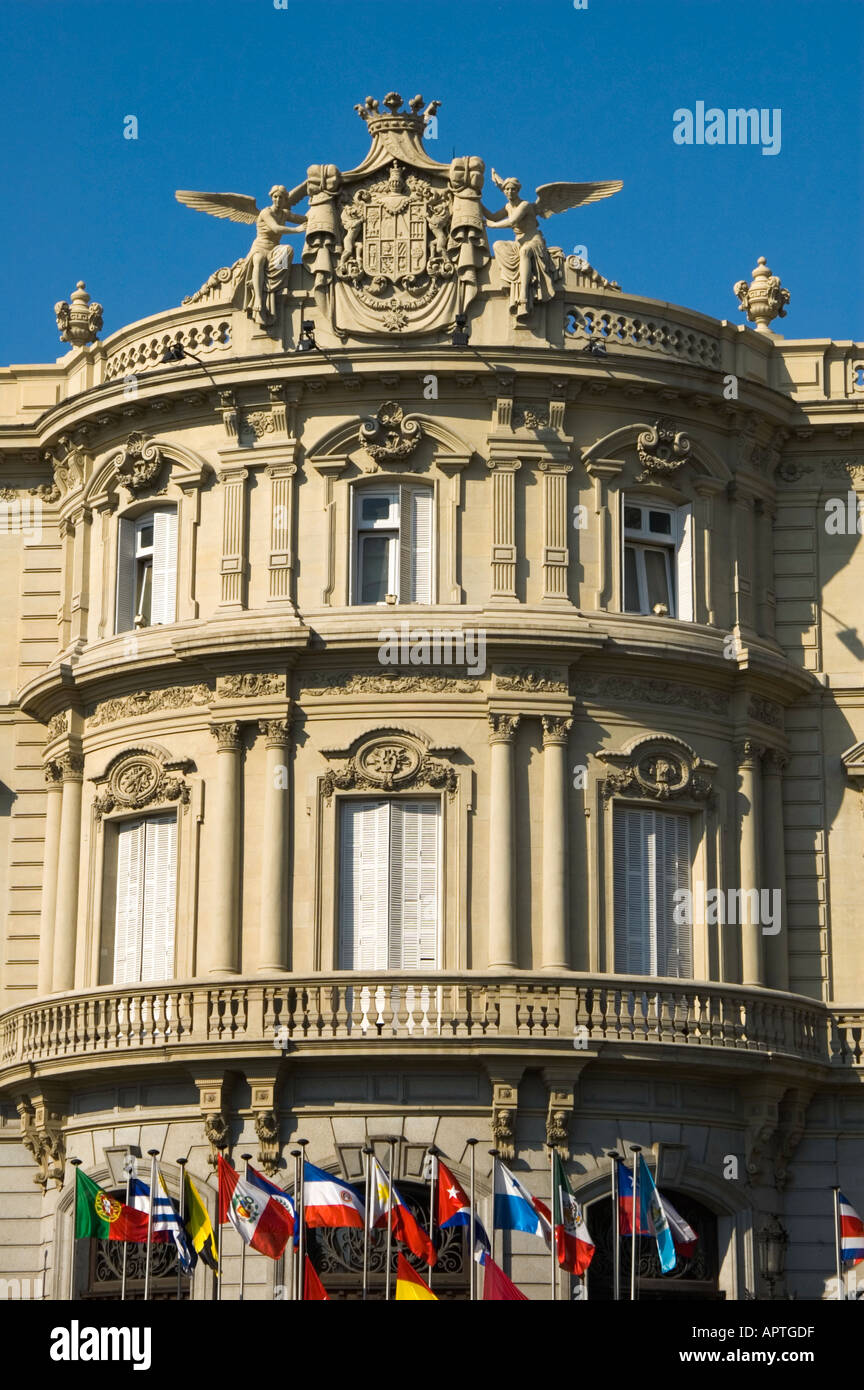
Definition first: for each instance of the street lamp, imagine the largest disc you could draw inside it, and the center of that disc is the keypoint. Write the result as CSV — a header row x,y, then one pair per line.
x,y
773,1240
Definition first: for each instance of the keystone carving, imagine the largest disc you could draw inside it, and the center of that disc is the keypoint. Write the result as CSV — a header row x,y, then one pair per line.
x,y
388,765
138,779
139,463
661,768
390,434
662,449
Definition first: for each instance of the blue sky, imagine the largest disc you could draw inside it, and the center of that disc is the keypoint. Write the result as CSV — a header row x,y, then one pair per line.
x,y
234,95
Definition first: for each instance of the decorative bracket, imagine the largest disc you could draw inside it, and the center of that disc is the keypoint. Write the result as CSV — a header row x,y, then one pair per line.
x,y
42,1136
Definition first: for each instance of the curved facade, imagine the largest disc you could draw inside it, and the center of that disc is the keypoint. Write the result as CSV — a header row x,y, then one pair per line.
x,y
374,705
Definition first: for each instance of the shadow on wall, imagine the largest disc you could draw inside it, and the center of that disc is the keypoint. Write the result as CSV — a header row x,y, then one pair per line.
x,y
7,796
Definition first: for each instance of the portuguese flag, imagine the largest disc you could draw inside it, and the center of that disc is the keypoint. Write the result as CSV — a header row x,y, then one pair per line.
x,y
100,1216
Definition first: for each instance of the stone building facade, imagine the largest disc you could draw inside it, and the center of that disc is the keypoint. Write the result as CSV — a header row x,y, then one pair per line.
x,y
390,632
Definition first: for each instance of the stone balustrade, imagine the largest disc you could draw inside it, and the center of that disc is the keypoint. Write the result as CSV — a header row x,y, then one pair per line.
x,y
168,1022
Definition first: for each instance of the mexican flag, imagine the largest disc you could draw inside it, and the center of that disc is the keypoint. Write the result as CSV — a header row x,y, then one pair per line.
x,y
101,1217
572,1241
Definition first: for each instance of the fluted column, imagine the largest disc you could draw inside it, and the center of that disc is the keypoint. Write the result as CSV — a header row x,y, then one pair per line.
x,y
749,756
219,944
273,942
68,861
51,847
776,946
555,948
502,916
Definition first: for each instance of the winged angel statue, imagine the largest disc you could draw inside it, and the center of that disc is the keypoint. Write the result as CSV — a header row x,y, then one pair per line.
x,y
526,263
266,267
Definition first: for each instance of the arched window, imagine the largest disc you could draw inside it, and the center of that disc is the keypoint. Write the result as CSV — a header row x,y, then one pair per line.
x,y
105,1268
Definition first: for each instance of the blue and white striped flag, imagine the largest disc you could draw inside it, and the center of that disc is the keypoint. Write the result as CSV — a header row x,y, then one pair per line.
x,y
166,1224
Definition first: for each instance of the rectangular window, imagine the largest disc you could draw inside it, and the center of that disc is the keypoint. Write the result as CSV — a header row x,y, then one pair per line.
x,y
388,885
651,862
393,545
145,900
147,570
658,559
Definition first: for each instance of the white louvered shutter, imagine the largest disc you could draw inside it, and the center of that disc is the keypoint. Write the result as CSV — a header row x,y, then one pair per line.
x,y
415,544
128,902
675,940
632,893
125,606
364,874
160,881
414,886
684,605
164,602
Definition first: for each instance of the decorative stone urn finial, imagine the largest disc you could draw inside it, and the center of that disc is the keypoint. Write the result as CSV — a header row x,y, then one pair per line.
x,y
764,298
79,321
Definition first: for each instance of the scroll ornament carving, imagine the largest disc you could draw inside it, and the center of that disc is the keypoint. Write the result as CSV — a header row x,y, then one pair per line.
x,y
148,701
845,465
662,450
256,683
661,769
555,730
267,1130
360,683
530,417
502,727
42,1137
58,724
229,736
139,780
383,764
543,679
139,462
390,435
70,467
765,711
653,692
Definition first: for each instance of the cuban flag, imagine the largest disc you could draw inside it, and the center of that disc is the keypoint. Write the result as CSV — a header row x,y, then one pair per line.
x,y
515,1208
851,1232
454,1209
329,1201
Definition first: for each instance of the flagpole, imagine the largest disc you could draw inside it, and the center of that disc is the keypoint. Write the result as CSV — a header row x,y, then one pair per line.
x,y
296,1154
245,1158
221,1280
433,1174
301,1217
367,1169
181,1164
635,1150
555,1196
392,1142
76,1164
616,1227
841,1281
493,1154
127,1168
154,1154
472,1281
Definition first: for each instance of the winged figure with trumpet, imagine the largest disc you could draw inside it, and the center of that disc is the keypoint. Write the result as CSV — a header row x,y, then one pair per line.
x,y
266,268
526,264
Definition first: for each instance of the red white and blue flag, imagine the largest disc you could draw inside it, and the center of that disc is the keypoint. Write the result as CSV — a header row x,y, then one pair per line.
x,y
625,1204
851,1232
329,1201
454,1209
278,1194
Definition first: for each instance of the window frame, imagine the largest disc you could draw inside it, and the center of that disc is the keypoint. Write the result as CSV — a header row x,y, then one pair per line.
x,y
128,553
109,881
678,549
401,495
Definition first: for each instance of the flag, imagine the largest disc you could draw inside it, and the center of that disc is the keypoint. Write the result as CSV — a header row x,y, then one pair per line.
x,y
653,1215
497,1286
573,1243
277,1193
328,1201
454,1209
851,1232
683,1235
259,1219
100,1217
199,1227
313,1290
409,1286
385,1198
625,1203
166,1218
139,1198
515,1208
